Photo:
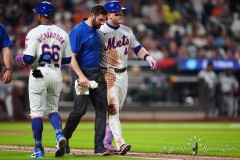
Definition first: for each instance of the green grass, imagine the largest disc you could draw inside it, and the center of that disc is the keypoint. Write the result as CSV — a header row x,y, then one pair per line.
x,y
12,155
168,138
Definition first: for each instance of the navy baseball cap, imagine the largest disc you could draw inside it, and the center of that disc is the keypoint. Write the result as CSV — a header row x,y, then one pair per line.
x,y
46,9
113,6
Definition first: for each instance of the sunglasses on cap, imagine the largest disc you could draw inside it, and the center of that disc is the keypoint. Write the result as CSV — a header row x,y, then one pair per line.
x,y
119,14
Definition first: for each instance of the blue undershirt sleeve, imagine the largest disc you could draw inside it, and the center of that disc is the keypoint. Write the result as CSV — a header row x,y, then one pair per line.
x,y
27,59
137,49
66,60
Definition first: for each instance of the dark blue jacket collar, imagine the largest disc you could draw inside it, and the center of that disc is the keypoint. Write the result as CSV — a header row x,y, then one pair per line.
x,y
86,25
113,27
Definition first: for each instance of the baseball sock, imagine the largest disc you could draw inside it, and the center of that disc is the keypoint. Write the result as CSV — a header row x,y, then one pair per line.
x,y
56,122
37,128
108,135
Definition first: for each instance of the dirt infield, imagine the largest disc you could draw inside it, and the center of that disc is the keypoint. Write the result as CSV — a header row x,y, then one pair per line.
x,y
129,155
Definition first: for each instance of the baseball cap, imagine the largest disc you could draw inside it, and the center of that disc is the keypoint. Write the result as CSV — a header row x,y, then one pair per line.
x,y
46,9
113,6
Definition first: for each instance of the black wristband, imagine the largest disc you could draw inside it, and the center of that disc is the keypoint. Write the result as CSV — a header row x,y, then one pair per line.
x,y
10,69
145,57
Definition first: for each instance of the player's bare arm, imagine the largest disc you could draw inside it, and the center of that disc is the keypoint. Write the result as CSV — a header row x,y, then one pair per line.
x,y
7,57
82,78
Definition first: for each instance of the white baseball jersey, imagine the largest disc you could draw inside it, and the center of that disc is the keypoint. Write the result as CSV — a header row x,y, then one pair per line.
x,y
115,43
47,38
44,92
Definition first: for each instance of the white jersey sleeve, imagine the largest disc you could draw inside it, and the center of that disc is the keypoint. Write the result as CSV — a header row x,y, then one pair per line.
x,y
31,44
133,43
31,47
115,43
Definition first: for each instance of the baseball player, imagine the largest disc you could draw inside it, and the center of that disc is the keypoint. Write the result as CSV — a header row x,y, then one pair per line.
x,y
116,40
210,78
46,49
5,44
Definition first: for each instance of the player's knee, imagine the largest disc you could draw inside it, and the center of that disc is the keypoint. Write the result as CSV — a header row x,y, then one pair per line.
x,y
78,113
112,109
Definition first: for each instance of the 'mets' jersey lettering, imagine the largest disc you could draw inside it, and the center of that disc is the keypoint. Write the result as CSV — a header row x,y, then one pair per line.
x,y
112,44
115,44
47,39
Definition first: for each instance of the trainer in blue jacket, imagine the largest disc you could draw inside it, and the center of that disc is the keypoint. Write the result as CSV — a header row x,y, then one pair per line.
x,y
5,44
85,63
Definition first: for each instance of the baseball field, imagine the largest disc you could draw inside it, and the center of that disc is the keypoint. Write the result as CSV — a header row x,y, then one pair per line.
x,y
149,140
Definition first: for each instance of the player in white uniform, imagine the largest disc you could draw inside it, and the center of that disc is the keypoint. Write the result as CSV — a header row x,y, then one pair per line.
x,y
47,48
116,40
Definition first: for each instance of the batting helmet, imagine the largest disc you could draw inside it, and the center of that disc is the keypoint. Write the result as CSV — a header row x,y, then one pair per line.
x,y
45,9
113,6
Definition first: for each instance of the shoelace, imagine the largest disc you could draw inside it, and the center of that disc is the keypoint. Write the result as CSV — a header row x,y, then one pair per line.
x,y
35,153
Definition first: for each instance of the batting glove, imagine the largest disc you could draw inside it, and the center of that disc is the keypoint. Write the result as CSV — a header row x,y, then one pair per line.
x,y
152,62
19,59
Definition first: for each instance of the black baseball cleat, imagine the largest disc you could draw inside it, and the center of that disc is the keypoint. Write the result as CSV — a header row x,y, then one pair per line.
x,y
67,148
102,151
124,149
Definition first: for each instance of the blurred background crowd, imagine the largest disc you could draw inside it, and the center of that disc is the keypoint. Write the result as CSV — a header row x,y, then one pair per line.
x,y
168,29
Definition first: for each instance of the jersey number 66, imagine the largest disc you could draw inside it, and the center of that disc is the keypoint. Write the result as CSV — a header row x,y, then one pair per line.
x,y
53,51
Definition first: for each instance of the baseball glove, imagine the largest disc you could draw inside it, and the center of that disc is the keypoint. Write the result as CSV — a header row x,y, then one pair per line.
x,y
19,59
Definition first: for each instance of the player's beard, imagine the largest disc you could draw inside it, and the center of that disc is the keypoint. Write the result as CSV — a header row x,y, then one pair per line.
x,y
95,25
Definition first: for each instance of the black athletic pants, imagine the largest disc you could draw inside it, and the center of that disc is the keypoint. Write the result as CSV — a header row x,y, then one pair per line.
x,y
98,98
